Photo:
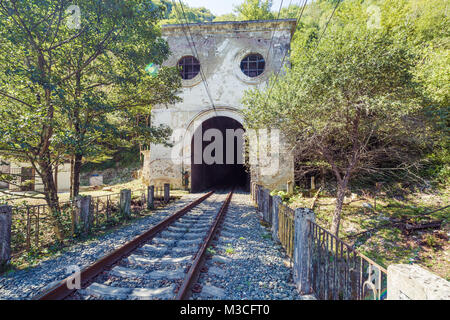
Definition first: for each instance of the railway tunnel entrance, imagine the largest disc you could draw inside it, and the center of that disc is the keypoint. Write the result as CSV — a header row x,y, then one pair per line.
x,y
217,155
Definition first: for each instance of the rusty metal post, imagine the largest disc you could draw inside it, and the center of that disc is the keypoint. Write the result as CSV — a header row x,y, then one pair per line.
x,y
125,203
303,250
5,235
150,197
166,192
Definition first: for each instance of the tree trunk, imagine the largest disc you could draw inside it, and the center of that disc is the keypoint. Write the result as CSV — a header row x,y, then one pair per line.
x,y
78,156
75,176
56,176
72,163
51,197
342,188
322,177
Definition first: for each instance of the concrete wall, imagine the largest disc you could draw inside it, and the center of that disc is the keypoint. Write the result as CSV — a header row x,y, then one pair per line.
x,y
221,47
4,167
63,176
411,282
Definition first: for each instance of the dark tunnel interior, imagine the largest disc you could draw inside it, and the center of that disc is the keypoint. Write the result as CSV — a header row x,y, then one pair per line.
x,y
219,175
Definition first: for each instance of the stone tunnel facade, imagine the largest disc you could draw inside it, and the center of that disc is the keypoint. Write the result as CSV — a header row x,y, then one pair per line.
x,y
221,48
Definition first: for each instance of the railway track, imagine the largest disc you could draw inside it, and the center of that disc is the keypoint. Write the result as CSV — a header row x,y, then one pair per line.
x,y
163,263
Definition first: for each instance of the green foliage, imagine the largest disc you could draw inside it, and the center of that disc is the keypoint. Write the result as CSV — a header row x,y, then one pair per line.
x,y
362,97
285,197
229,250
380,76
438,167
226,17
77,92
255,10
122,158
174,14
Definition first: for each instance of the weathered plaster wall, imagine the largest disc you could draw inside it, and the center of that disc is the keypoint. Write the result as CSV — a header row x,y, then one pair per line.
x,y
220,47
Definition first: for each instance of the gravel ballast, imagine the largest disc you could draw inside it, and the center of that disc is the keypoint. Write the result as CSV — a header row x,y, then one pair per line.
x,y
246,264
25,284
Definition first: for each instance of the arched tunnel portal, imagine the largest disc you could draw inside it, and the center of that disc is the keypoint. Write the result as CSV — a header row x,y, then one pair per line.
x,y
217,155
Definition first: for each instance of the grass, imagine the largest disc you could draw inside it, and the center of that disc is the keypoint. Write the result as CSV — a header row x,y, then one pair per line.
x,y
229,251
391,244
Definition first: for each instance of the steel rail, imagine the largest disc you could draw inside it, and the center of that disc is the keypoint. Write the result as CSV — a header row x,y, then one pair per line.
x,y
61,290
184,291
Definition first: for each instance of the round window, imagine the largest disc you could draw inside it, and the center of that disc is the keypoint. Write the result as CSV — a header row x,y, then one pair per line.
x,y
253,65
189,67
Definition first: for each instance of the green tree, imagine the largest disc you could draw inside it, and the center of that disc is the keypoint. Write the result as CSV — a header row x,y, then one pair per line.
x,y
174,13
226,17
62,80
349,102
255,10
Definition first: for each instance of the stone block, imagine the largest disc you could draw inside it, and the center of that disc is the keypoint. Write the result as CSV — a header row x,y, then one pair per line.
x,y
151,197
83,214
412,282
302,250
125,203
166,192
276,202
5,235
96,180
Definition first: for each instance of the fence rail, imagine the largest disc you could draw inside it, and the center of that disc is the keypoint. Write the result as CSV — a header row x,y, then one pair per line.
x,y
286,229
19,179
32,227
339,272
335,270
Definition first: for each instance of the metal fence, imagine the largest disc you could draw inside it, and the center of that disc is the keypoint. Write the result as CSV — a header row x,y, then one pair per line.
x,y
20,179
285,215
286,229
336,271
33,227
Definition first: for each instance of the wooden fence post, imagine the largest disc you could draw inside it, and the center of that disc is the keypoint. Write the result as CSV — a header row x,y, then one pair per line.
x,y
303,250
125,203
151,197
5,235
166,192
275,222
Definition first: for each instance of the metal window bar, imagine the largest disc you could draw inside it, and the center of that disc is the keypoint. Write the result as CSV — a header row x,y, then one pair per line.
x,y
189,67
253,65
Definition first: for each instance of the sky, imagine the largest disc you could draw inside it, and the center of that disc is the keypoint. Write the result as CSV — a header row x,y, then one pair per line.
x,y
219,7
